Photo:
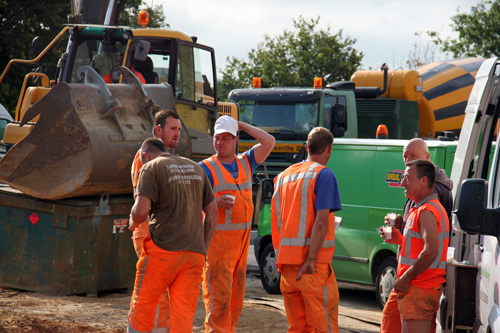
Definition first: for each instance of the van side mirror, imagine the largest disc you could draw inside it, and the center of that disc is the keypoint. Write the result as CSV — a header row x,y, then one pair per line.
x,y
267,190
471,213
141,50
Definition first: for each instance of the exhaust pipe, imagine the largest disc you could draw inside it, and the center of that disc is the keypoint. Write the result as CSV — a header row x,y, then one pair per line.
x,y
373,92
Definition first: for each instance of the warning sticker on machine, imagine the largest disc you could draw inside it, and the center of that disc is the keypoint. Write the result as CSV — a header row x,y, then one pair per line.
x,y
394,178
119,225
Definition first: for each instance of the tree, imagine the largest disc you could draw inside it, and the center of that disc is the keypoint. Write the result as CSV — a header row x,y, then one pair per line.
x,y
478,32
21,21
294,58
423,52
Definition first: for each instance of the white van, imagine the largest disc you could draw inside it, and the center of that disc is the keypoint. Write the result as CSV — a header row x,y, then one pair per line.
x,y
472,294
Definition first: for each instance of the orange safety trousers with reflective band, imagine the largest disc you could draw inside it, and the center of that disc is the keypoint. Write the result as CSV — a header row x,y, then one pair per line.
x,y
293,216
157,270
138,237
312,302
413,244
224,276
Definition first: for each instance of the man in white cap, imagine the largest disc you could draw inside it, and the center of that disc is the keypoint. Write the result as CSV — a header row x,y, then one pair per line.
x,y
231,179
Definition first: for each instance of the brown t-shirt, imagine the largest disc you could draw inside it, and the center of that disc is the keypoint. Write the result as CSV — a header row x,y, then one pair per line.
x,y
178,189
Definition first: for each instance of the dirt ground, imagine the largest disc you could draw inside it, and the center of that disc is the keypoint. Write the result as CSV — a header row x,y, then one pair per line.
x,y
22,311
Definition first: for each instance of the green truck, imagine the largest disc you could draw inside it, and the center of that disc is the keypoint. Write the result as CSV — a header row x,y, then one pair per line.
x,y
368,170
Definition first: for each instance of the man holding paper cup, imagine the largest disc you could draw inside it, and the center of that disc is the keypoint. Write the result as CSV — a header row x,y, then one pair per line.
x,y
424,245
415,149
231,179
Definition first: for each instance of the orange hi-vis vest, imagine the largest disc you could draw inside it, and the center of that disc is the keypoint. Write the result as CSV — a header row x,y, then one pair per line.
x,y
293,215
413,244
240,217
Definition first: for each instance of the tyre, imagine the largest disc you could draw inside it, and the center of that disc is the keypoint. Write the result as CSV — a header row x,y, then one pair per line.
x,y
385,279
269,274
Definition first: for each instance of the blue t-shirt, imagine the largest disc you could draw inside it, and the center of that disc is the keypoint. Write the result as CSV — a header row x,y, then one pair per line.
x,y
232,168
327,191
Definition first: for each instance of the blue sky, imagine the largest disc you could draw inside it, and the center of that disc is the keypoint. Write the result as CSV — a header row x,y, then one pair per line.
x,y
384,30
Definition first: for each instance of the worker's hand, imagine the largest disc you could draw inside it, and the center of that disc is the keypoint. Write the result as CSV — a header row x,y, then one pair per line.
x,y
396,237
307,268
399,221
224,203
241,125
131,224
402,284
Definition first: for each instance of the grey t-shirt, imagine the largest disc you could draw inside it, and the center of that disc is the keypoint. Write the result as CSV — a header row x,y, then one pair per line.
x,y
178,189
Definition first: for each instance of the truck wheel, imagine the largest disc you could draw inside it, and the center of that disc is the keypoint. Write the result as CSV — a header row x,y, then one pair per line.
x,y
386,277
269,274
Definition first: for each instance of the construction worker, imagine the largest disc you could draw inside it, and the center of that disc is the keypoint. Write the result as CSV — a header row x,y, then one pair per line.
x,y
167,127
424,244
415,149
110,76
174,192
231,179
305,198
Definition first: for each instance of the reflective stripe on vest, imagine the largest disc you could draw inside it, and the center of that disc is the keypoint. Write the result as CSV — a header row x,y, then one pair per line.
x,y
414,235
222,185
307,176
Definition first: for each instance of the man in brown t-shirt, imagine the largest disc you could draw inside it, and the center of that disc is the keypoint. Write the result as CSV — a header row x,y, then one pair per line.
x,y
174,191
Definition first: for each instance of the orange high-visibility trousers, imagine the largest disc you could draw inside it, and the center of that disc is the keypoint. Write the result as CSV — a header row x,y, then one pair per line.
x,y
224,279
391,318
157,270
163,308
311,303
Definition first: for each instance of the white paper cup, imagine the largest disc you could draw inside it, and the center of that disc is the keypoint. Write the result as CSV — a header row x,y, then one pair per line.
x,y
338,221
232,197
392,218
387,232
450,255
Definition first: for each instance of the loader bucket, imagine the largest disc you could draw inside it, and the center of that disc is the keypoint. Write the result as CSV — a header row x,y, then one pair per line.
x,y
85,139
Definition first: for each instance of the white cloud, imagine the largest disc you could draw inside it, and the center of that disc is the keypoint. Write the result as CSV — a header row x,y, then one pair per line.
x,y
384,30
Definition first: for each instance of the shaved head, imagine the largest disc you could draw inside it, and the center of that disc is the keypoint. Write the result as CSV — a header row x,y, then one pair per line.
x,y
416,149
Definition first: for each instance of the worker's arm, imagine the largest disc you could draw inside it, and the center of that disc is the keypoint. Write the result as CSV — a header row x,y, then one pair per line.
x,y
318,234
140,211
429,230
210,222
266,141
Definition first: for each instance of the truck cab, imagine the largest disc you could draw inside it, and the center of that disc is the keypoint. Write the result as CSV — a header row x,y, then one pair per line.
x,y
289,114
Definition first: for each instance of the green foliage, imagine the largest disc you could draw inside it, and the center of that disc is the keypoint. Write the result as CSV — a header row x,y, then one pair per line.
x,y
478,32
295,58
21,21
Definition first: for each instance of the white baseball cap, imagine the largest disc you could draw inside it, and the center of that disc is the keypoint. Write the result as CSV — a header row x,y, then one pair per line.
x,y
226,124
